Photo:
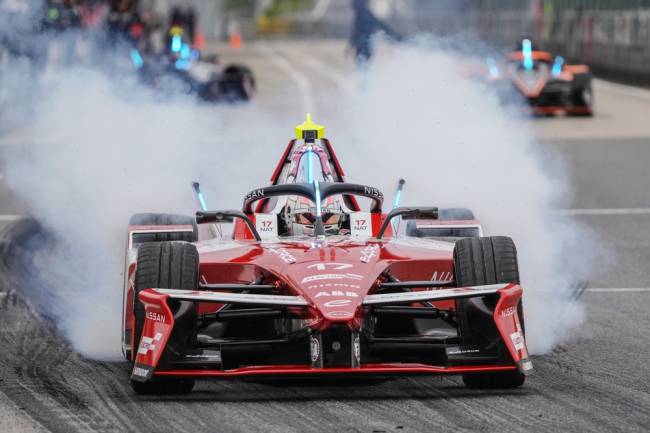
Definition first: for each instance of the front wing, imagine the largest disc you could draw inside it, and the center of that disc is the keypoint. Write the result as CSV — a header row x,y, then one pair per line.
x,y
160,355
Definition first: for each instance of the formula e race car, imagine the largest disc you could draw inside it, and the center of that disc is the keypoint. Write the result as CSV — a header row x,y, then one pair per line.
x,y
181,65
547,83
311,284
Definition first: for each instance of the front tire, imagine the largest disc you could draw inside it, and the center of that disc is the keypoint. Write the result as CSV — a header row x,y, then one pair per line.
x,y
483,261
166,265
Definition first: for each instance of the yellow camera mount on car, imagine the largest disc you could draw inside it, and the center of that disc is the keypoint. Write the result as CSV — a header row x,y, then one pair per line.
x,y
309,131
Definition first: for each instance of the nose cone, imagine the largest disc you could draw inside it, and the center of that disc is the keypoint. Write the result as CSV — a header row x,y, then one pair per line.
x,y
333,277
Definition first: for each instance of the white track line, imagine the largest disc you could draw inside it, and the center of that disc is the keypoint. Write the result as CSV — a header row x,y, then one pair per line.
x,y
312,62
603,211
618,289
10,218
301,80
634,92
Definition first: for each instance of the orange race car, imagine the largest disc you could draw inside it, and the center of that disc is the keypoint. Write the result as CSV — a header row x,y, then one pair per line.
x,y
547,83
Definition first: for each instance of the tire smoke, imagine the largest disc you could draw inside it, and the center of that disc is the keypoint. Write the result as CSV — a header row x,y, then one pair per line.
x,y
420,117
98,154
102,148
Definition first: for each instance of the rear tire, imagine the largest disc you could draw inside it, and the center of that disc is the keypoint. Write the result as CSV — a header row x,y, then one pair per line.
x,y
238,83
482,261
583,97
163,219
166,265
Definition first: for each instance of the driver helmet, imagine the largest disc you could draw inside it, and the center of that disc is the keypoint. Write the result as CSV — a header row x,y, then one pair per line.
x,y
300,215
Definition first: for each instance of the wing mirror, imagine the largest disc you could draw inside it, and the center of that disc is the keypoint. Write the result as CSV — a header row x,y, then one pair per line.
x,y
409,213
226,216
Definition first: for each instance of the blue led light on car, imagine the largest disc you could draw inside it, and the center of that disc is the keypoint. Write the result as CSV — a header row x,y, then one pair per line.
x,y
182,64
557,66
310,176
398,195
136,58
186,52
199,194
527,51
176,43
492,65
185,56
202,202
317,188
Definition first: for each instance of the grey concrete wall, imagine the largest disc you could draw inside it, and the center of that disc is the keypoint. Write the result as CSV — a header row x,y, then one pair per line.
x,y
613,36
615,43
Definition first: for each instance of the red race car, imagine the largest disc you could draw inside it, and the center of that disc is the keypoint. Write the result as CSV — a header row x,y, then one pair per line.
x,y
548,84
314,282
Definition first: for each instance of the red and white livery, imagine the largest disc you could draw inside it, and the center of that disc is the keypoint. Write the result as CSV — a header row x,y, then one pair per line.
x,y
324,289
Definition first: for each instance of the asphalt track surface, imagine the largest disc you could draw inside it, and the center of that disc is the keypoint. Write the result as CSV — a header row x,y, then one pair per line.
x,y
598,381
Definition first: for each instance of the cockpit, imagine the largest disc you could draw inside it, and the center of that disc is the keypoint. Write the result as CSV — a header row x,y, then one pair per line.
x,y
296,215
295,204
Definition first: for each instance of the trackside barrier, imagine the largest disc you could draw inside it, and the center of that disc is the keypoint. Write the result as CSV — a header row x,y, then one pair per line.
x,y
612,37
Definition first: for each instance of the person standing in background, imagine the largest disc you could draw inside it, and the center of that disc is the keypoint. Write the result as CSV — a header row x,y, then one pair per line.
x,y
364,27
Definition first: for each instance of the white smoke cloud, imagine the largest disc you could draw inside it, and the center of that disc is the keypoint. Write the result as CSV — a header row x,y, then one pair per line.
x,y
422,118
98,155
101,153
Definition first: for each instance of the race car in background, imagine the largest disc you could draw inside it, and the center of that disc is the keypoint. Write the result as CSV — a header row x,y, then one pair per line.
x,y
547,83
181,64
314,282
